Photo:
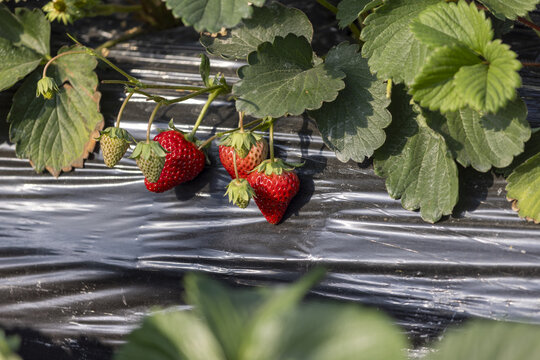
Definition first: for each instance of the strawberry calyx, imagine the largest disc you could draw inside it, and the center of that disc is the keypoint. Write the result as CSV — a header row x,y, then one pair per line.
x,y
240,192
277,166
146,150
241,141
115,133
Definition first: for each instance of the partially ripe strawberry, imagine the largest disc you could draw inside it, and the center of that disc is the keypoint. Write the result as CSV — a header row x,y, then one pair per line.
x,y
251,149
183,162
150,158
114,144
275,184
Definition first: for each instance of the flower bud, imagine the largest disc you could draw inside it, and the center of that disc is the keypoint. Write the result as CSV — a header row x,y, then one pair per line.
x,y
47,87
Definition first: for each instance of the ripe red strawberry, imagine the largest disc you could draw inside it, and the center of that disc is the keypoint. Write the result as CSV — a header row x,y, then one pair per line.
x,y
275,184
251,149
183,162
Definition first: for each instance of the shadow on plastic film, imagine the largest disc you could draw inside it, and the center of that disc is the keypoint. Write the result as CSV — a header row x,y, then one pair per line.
x,y
473,190
313,164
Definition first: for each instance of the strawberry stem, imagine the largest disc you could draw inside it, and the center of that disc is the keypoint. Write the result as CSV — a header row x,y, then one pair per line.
x,y
241,121
93,52
121,111
151,120
72,52
211,98
158,86
217,88
334,10
235,167
220,134
272,140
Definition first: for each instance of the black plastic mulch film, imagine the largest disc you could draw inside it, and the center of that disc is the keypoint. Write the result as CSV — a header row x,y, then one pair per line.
x,y
84,257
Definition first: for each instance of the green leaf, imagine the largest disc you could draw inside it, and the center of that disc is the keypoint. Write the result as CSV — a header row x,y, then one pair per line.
x,y
212,15
204,70
532,147
489,340
524,188
435,87
485,140
467,68
24,41
17,62
171,335
510,9
273,325
281,79
353,124
328,331
224,311
416,162
59,133
28,28
488,86
453,24
8,346
265,24
349,10
393,51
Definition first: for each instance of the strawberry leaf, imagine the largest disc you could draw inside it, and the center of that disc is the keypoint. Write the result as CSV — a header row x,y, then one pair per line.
x,y
17,62
353,124
349,10
453,24
265,24
212,15
59,133
171,335
390,46
485,140
282,78
24,41
416,162
532,147
524,188
510,9
468,67
28,28
435,87
489,340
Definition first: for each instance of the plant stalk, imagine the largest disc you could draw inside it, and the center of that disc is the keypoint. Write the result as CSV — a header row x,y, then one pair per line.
x,y
241,121
151,120
271,141
328,6
530,64
235,166
220,134
121,111
72,52
211,98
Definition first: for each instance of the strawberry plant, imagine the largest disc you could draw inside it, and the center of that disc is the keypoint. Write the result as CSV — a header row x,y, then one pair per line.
x,y
273,323
421,87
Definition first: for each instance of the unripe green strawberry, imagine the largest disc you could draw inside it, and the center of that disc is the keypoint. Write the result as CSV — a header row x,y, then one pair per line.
x,y
150,158
240,192
114,144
